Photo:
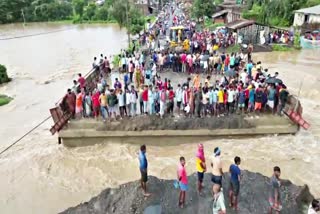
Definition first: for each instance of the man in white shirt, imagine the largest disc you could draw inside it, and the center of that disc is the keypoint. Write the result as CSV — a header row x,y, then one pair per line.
x,y
231,98
243,76
121,102
133,101
179,94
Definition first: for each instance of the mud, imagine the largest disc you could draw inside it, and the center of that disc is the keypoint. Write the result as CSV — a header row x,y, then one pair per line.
x,y
176,123
254,195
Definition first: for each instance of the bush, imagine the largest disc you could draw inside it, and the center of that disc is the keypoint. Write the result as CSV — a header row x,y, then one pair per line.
x,y
4,99
277,47
3,74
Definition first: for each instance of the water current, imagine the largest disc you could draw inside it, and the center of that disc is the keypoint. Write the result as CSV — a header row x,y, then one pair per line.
x,y
40,176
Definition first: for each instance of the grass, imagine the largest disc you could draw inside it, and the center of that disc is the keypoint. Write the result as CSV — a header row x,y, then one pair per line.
x,y
210,25
84,22
4,99
233,49
283,48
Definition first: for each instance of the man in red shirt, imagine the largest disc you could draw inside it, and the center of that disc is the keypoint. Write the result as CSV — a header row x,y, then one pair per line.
x,y
183,58
82,81
145,99
171,101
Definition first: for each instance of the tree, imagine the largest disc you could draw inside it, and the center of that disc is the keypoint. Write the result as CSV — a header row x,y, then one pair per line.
x,y
78,6
119,11
203,8
3,74
90,11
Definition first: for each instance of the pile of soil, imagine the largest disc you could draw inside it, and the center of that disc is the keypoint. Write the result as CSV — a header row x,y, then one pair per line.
x,y
254,195
174,123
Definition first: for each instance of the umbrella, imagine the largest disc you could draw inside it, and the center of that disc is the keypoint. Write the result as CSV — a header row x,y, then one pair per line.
x,y
273,80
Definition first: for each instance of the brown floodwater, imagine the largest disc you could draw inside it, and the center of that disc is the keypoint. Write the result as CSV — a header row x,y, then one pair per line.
x,y
39,176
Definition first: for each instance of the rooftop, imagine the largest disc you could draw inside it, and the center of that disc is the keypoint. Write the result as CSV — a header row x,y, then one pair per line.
x,y
239,24
220,13
310,10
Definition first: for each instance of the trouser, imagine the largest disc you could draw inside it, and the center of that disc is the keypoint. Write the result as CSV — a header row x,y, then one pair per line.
x,y
133,109
197,109
122,110
141,107
131,76
104,111
151,108
184,67
157,107
162,106
145,106
230,107
170,107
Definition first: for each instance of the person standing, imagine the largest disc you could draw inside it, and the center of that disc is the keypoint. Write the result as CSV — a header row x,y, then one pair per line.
x,y
112,102
122,105
274,194
81,81
144,97
234,182
133,101
183,181
163,99
314,207
103,105
219,206
143,162
179,95
216,165
201,166
151,101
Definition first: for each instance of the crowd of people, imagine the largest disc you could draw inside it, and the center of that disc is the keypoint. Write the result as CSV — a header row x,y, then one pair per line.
x,y
232,87
215,84
217,175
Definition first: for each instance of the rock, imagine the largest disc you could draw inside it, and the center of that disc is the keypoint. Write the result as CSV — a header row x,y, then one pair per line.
x,y
164,199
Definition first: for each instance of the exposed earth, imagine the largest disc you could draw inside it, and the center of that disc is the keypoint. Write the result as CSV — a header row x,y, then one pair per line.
x,y
254,195
176,123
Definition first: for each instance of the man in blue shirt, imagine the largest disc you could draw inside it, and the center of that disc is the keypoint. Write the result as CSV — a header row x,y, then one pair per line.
x,y
234,182
249,69
143,169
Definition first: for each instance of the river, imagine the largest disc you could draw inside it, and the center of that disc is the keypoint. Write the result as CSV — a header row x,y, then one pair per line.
x,y
39,176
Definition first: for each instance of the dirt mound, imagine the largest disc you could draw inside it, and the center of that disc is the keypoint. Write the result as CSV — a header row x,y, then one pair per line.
x,y
174,123
253,198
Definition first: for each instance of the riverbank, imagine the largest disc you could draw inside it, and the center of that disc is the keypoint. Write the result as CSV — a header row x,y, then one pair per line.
x,y
253,198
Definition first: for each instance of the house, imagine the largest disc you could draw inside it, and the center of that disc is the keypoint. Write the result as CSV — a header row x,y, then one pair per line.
x,y
226,16
309,15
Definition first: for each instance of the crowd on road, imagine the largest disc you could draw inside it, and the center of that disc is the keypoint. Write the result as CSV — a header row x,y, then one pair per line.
x,y
215,84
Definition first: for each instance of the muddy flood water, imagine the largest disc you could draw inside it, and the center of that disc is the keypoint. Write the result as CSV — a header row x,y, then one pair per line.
x,y
39,176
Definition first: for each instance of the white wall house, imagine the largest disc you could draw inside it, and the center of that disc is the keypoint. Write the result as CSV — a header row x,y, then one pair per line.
x,y
307,15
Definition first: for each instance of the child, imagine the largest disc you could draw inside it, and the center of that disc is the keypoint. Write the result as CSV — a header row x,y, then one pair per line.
x,y
183,182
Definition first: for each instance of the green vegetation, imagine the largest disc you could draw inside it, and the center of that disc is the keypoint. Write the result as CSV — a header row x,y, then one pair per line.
x,y
210,25
76,11
4,99
275,13
277,47
233,49
3,74
202,8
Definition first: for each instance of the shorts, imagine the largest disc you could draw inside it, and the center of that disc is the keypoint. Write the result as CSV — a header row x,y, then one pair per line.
x,y
179,105
271,103
235,187
183,187
258,106
144,175
241,105
200,176
216,179
112,109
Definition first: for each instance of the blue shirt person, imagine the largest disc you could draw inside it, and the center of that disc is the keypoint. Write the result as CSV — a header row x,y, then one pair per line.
x,y
143,166
234,182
